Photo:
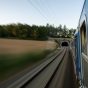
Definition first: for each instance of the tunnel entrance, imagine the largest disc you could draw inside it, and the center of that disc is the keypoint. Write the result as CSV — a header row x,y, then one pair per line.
x,y
64,44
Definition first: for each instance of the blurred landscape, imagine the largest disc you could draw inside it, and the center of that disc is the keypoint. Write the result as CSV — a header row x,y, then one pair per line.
x,y
16,55
13,46
32,30
22,45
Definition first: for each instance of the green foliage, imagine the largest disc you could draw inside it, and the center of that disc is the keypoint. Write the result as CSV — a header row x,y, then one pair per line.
x,y
25,31
9,64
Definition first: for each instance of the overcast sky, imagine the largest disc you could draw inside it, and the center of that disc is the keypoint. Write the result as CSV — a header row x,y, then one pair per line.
x,y
41,12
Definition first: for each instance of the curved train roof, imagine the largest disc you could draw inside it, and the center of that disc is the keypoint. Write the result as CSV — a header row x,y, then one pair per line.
x,y
81,12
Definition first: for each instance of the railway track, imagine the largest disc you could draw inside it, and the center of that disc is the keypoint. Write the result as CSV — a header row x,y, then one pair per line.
x,y
49,74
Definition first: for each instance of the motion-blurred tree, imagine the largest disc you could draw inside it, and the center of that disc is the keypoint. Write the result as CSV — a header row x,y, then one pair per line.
x,y
25,31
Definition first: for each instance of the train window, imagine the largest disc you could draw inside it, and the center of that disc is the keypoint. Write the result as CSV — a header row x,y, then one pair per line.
x,y
83,39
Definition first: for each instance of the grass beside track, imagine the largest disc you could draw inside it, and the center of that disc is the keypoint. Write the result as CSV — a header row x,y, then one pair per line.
x,y
11,64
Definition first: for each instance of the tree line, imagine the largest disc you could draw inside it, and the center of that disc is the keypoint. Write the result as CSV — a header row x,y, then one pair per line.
x,y
25,31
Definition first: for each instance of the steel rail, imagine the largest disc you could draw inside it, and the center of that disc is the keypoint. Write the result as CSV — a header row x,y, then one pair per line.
x,y
12,79
29,76
46,74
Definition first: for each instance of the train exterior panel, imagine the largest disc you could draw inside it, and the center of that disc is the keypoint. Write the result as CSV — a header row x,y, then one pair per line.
x,y
78,56
82,45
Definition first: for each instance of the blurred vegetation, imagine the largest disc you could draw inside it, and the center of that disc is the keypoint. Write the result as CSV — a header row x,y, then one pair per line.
x,y
11,64
25,31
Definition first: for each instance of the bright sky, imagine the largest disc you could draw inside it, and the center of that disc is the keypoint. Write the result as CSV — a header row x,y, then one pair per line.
x,y
41,12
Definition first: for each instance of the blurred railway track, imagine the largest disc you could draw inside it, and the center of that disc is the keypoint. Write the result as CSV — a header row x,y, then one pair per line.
x,y
49,74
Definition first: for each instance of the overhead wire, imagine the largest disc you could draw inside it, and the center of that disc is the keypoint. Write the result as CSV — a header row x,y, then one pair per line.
x,y
45,9
38,10
50,11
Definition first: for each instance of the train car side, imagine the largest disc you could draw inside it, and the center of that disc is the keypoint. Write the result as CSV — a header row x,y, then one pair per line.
x,y
78,54
83,30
